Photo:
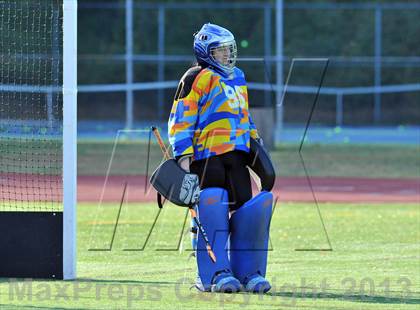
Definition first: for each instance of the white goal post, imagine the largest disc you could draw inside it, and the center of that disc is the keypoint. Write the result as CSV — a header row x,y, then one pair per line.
x,y
69,137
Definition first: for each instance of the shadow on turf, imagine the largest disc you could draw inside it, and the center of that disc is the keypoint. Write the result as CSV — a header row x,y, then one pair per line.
x,y
90,280
347,297
124,281
27,307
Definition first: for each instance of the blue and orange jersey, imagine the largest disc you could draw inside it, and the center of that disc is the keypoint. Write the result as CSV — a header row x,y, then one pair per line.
x,y
212,117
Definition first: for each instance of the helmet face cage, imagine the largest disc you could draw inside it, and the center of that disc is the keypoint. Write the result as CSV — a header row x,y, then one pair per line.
x,y
225,54
216,47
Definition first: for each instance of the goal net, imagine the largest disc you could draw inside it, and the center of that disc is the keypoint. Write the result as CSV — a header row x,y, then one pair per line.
x,y
37,139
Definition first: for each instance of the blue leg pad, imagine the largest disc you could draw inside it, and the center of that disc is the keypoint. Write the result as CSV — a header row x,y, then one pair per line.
x,y
213,212
250,226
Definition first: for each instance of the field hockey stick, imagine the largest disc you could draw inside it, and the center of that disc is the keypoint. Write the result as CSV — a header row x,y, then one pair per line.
x,y
192,211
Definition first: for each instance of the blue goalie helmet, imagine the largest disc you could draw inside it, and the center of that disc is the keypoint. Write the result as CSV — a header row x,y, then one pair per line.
x,y
216,47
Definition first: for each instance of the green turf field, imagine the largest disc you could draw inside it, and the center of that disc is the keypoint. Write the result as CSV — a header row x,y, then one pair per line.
x,y
374,263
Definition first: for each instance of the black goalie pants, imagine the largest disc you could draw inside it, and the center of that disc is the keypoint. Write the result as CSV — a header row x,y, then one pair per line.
x,y
227,171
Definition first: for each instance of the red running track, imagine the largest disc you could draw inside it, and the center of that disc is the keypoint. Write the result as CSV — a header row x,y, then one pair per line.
x,y
358,190
98,188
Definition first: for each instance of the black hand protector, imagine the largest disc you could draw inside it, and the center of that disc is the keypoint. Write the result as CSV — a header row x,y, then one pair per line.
x,y
176,185
260,162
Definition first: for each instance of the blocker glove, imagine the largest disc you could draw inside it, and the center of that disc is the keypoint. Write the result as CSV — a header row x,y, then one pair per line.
x,y
190,190
175,184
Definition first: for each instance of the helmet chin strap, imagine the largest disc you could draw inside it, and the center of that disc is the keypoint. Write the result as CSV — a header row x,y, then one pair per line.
x,y
225,74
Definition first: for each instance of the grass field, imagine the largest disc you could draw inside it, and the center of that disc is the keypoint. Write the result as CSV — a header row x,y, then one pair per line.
x,y
374,262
